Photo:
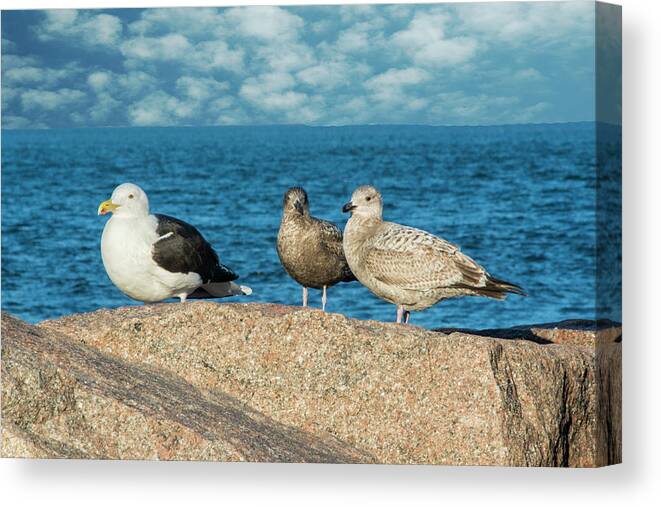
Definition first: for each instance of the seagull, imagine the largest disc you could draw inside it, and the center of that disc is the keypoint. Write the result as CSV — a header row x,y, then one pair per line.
x,y
310,249
151,258
408,267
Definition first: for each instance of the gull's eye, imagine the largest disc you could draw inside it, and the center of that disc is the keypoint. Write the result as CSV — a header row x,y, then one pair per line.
x,y
368,199
130,196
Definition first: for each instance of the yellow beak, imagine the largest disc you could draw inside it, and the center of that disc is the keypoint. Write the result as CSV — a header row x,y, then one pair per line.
x,y
107,207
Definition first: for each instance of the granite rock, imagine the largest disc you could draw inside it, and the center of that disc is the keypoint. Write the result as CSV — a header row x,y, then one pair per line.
x,y
263,382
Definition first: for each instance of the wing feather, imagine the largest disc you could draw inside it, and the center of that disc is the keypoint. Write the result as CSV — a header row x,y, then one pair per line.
x,y
413,259
182,249
330,238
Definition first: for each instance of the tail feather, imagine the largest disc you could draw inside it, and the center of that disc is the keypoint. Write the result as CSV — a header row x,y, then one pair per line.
x,y
220,290
503,287
223,274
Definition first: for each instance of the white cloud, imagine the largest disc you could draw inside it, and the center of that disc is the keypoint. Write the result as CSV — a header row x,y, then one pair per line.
x,y
399,11
193,22
446,52
321,26
529,74
159,108
264,22
272,81
77,117
222,103
362,37
22,71
8,46
354,13
424,28
284,56
173,46
21,75
397,78
10,61
350,109
21,122
309,113
329,75
8,95
524,22
353,41
104,106
389,88
201,89
136,82
282,101
272,92
287,106
100,80
425,43
231,119
129,84
199,97
530,113
196,97
26,82
93,29
50,100
216,54
103,83
112,91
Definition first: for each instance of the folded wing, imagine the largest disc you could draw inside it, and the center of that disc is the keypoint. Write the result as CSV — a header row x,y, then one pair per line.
x,y
331,241
413,259
182,249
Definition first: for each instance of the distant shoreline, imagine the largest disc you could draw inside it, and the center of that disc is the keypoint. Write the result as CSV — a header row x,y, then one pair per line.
x,y
299,125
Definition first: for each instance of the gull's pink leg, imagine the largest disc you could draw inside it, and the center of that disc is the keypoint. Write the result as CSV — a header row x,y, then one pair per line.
x,y
400,311
407,314
305,296
323,299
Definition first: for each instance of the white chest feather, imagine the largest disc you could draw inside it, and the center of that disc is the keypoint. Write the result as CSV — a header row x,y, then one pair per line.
x,y
126,249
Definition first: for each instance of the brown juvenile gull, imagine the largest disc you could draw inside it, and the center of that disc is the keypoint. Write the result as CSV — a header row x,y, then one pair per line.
x,y
407,267
310,249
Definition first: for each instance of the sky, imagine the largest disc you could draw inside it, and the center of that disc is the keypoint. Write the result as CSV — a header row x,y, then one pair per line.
x,y
439,64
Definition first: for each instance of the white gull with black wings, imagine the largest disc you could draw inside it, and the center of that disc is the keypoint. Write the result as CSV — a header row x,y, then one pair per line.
x,y
151,258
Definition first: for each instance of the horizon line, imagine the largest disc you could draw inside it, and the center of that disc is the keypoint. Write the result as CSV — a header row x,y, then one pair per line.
x,y
262,125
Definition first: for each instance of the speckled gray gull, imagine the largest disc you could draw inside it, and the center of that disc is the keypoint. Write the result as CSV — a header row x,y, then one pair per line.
x,y
151,258
310,249
408,267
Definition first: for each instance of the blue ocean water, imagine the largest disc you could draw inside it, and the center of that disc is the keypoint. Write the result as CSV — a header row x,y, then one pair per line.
x,y
518,199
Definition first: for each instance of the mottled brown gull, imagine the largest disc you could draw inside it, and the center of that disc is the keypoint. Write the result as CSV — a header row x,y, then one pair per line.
x,y
408,267
310,249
